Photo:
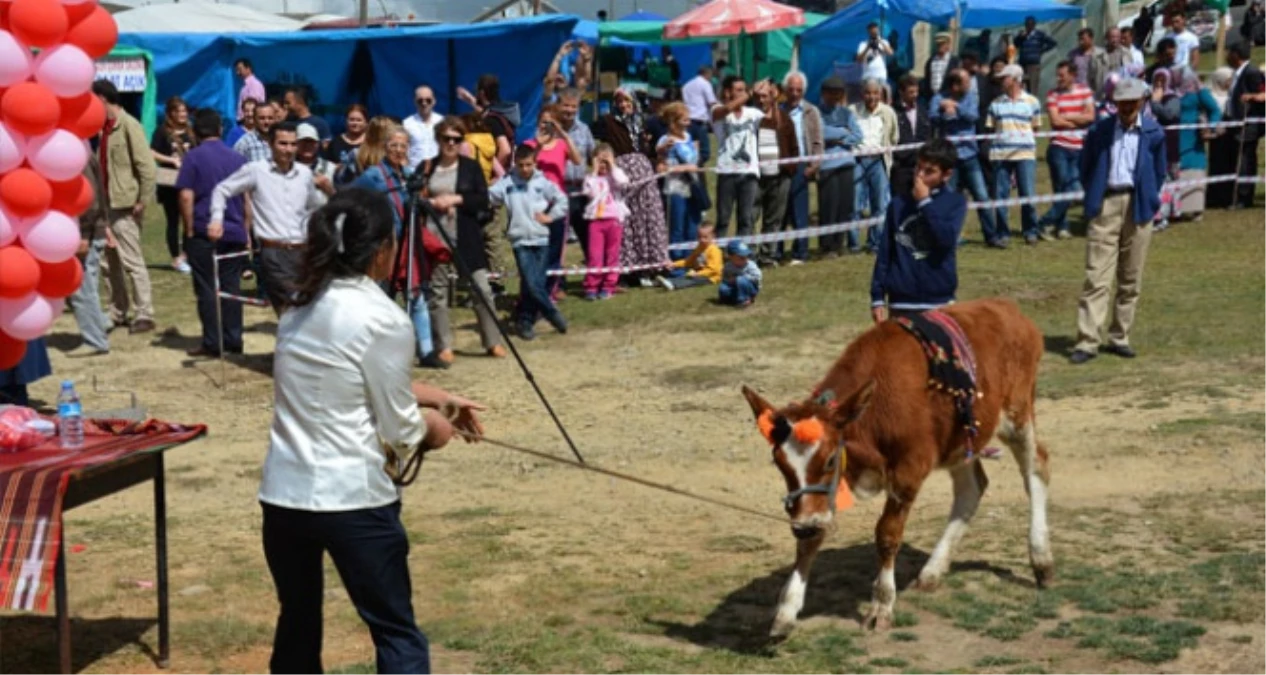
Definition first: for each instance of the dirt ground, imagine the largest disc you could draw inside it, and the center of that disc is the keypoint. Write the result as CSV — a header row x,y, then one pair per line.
x,y
665,407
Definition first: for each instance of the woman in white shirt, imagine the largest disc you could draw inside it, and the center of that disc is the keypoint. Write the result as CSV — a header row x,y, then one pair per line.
x,y
346,413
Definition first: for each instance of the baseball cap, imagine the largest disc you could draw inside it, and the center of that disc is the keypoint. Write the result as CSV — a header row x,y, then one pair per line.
x,y
739,248
943,37
834,83
1012,71
1129,89
306,132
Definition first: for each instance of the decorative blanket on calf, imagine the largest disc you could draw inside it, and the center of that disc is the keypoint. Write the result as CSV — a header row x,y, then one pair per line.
x,y
951,363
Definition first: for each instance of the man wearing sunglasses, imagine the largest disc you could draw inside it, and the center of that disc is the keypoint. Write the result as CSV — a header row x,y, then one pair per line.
x,y
421,127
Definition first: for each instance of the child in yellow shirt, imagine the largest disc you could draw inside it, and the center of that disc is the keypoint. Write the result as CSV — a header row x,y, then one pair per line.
x,y
703,265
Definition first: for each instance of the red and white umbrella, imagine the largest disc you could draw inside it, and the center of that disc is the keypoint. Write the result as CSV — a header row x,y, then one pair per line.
x,y
721,18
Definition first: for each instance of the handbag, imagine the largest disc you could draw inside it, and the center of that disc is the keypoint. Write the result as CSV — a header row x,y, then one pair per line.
x,y
699,199
435,250
166,176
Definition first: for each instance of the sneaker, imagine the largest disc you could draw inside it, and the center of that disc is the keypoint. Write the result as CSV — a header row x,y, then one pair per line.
x,y
559,323
433,361
1045,235
181,265
663,281
796,261
1079,357
1124,351
85,351
1063,234
1031,239
605,295
646,282
590,297
527,333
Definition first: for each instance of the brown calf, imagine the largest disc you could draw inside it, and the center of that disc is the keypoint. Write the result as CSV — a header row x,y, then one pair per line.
x,y
894,430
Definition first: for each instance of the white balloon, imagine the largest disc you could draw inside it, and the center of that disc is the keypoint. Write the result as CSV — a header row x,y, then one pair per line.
x,y
65,69
28,317
58,155
12,149
15,60
9,230
51,238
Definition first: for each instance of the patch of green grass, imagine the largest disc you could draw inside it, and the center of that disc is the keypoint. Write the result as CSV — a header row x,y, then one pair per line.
x,y
996,661
889,662
903,636
1251,422
1242,639
362,668
904,619
471,513
217,636
195,483
1140,638
737,543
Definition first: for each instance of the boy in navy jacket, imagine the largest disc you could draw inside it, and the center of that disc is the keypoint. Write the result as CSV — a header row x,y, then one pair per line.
x,y
916,267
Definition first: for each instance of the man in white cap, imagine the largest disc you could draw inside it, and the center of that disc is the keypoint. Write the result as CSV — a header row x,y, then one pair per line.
x,y
1014,116
1122,168
937,66
308,151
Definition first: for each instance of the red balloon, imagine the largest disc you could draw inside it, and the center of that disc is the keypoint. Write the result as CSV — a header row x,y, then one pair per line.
x,y
96,33
19,272
30,109
76,13
11,351
38,23
83,115
74,196
58,280
25,192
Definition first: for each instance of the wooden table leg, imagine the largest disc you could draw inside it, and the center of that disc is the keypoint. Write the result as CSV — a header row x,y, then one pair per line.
x,y
63,613
160,546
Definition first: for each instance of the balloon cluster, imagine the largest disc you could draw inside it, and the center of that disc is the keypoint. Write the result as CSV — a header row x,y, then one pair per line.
x,y
47,111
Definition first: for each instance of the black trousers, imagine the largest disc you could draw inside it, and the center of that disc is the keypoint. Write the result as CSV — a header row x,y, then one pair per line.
x,y
199,251
836,203
279,270
1247,169
370,550
169,198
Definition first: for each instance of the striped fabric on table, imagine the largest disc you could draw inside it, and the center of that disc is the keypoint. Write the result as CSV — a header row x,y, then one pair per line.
x,y
32,485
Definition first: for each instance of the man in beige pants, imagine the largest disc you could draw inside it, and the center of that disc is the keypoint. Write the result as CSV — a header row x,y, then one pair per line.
x,y
127,169
1123,170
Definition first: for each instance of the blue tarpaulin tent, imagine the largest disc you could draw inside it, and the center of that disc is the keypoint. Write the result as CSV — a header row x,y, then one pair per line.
x,y
378,67
690,55
999,13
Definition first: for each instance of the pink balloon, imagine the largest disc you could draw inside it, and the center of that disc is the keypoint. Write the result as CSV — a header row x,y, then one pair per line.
x,y
9,227
15,60
66,70
51,238
12,149
57,156
28,317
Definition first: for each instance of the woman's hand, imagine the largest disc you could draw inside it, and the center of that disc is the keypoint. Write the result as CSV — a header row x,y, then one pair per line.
x,y
462,415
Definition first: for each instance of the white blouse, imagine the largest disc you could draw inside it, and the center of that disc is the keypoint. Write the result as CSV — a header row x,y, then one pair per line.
x,y
342,394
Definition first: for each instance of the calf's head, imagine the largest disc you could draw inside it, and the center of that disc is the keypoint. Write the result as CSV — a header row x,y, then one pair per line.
x,y
808,448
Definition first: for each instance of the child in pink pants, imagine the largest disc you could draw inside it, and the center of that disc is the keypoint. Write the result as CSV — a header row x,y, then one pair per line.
x,y
606,213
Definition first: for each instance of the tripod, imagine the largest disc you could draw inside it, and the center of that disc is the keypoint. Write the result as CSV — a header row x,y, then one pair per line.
x,y
414,204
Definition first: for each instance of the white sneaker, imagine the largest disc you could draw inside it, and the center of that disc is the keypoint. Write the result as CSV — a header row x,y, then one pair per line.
x,y
181,265
645,283
796,261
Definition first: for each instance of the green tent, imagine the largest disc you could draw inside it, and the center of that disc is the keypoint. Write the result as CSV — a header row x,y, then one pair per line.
x,y
769,54
116,67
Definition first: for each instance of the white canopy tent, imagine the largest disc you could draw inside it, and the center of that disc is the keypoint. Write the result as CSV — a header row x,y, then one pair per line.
x,y
201,17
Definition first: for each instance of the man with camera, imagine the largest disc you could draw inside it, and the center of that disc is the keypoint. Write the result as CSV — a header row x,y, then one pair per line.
x,y
872,54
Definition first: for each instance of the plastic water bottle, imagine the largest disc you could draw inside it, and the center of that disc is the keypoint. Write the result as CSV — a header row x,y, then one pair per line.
x,y
70,417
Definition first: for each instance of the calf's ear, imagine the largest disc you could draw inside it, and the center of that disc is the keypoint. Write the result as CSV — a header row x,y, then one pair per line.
x,y
759,404
852,407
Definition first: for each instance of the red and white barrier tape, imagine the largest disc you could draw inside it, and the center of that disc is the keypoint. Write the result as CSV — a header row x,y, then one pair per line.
x,y
256,302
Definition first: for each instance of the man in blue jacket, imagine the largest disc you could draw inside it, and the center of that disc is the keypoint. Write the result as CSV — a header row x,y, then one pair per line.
x,y
916,266
954,113
1122,169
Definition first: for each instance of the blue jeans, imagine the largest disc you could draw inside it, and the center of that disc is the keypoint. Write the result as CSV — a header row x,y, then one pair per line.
x,y
797,214
973,178
557,242
872,191
683,223
738,292
534,294
370,550
1025,171
699,134
86,302
1065,177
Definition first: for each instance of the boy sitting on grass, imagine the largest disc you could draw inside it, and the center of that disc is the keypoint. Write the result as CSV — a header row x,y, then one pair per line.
x,y
533,203
740,278
916,268
702,267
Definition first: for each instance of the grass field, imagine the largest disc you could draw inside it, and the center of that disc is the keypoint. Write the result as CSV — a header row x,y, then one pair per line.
x,y
1157,499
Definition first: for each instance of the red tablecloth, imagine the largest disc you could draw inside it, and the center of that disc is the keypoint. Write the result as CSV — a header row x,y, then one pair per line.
x,y
32,484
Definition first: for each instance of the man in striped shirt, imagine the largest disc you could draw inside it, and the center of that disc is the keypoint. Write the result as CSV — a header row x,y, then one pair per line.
x,y
253,145
1014,116
1071,106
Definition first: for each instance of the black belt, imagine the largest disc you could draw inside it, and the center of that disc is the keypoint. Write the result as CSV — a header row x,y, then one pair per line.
x,y
1120,190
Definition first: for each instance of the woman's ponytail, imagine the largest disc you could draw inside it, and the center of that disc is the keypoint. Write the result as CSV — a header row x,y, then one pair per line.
x,y
343,238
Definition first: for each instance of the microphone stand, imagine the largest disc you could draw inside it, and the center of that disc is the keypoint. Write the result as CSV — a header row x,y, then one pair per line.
x,y
413,189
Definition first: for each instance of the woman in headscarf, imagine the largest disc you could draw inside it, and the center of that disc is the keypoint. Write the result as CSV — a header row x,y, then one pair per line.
x,y
170,143
1224,149
1196,106
645,231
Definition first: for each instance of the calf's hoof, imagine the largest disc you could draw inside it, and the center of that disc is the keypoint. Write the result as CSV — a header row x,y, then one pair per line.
x,y
781,628
879,618
1043,575
928,582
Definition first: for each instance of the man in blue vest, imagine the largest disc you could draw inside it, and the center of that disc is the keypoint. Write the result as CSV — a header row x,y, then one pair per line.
x,y
1122,169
